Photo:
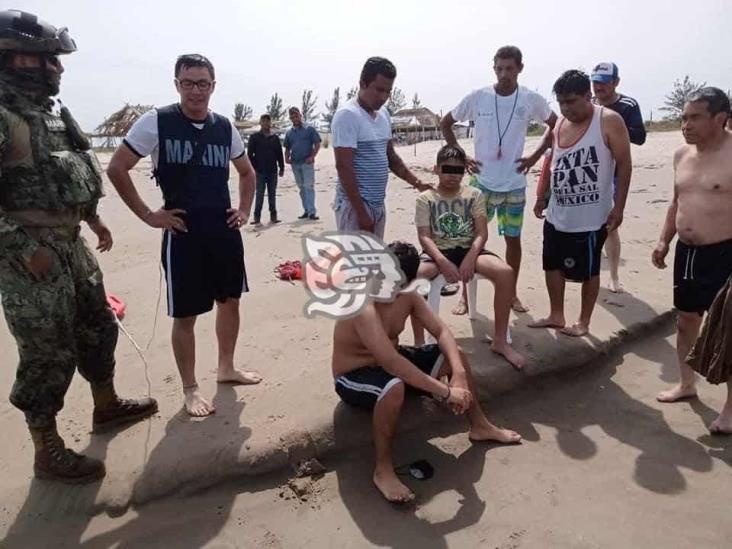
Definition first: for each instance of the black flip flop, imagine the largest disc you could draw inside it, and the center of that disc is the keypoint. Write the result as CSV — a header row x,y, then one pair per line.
x,y
420,470
450,289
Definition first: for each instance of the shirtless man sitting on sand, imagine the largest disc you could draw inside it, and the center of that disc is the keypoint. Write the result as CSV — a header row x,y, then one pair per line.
x,y
700,214
372,370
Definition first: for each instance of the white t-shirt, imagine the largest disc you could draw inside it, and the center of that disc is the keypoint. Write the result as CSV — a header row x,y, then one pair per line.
x,y
354,128
499,174
143,137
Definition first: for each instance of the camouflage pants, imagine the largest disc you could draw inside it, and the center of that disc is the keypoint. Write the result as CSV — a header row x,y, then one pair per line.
x,y
59,323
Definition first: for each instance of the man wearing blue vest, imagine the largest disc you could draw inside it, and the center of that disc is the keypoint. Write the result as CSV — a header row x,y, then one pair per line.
x,y
202,250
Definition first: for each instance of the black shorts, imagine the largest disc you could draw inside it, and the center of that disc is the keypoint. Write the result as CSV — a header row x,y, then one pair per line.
x,y
200,267
699,274
364,387
577,255
455,255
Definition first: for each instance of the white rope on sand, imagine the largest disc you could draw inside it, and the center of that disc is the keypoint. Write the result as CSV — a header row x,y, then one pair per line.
x,y
139,352
152,334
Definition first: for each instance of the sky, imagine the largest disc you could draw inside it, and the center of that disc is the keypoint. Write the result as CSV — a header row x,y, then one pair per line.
x,y
442,49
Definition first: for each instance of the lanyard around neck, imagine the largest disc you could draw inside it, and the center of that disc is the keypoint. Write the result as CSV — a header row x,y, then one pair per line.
x,y
501,135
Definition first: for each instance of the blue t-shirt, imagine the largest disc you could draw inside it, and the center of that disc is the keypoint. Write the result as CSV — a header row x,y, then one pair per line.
x,y
354,128
300,142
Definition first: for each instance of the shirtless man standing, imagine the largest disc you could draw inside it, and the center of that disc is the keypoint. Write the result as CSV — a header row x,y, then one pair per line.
x,y
371,370
700,214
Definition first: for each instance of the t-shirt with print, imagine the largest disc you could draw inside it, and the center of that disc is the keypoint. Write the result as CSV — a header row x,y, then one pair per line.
x,y
354,128
499,174
451,219
142,139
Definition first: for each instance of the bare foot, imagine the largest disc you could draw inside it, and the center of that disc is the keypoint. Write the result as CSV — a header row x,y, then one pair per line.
x,y
391,487
460,309
722,425
515,358
491,432
675,394
195,404
518,307
548,322
238,377
615,286
576,330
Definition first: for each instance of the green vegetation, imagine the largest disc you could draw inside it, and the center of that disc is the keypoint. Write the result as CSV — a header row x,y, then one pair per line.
x,y
276,108
307,107
242,112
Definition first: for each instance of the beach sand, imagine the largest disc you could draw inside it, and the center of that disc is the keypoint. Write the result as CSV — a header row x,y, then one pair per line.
x,y
292,352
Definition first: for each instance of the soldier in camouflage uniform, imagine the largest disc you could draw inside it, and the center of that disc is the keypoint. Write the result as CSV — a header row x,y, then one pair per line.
x,y
51,286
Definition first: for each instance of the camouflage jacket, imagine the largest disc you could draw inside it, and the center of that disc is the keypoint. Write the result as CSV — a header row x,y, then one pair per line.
x,y
45,179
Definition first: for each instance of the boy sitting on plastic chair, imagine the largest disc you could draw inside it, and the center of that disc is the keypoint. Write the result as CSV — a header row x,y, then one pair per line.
x,y
452,228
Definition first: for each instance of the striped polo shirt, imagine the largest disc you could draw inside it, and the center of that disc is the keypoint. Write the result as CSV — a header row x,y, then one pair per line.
x,y
354,128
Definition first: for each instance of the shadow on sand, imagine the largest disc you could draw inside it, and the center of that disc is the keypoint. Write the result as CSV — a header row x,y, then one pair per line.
x,y
386,525
571,403
58,515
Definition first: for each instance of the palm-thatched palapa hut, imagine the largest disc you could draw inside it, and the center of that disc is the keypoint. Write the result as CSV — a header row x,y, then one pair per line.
x,y
415,125
116,125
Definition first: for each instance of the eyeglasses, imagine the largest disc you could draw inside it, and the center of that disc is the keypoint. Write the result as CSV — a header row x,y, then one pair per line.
x,y
203,85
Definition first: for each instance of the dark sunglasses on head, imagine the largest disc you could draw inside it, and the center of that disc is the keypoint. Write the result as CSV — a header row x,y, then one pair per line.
x,y
447,169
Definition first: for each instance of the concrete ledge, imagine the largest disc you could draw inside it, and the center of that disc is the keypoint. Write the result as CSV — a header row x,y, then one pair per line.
x,y
349,429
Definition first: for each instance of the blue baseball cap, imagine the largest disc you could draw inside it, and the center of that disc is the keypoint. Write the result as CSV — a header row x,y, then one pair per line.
x,y
604,72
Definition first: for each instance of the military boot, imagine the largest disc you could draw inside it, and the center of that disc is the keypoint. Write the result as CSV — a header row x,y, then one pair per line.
x,y
53,461
110,411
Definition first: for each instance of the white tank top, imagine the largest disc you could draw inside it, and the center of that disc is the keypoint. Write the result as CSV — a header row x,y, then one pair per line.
x,y
581,180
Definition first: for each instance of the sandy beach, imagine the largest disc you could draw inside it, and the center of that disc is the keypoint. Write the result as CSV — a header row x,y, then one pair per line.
x,y
292,352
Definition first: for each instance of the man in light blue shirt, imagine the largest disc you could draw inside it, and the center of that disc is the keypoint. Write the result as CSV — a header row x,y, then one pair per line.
x,y
302,143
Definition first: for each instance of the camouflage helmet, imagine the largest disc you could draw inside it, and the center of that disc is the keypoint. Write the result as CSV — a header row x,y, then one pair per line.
x,y
24,32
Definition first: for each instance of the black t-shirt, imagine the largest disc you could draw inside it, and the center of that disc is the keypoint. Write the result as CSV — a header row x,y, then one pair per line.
x,y
628,108
265,152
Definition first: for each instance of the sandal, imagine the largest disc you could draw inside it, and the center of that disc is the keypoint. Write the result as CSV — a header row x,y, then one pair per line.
x,y
450,289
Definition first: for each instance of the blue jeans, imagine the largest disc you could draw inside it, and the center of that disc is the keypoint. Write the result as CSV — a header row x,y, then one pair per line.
x,y
305,179
266,181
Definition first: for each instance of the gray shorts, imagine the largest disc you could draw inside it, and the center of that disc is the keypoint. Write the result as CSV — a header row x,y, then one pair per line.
x,y
347,220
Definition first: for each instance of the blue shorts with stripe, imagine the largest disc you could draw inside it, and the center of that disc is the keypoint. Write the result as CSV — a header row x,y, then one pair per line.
x,y
203,265
364,387
577,255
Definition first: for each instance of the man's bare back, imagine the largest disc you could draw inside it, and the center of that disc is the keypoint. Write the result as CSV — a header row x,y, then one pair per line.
x,y
704,193
349,351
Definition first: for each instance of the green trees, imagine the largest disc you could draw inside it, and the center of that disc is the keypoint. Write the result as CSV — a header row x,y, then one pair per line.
x,y
674,102
332,106
276,108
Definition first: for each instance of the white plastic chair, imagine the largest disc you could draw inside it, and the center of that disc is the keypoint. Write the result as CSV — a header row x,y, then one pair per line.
x,y
433,299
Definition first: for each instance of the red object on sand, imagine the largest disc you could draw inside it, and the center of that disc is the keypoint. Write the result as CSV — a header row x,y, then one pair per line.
x,y
289,270
117,305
